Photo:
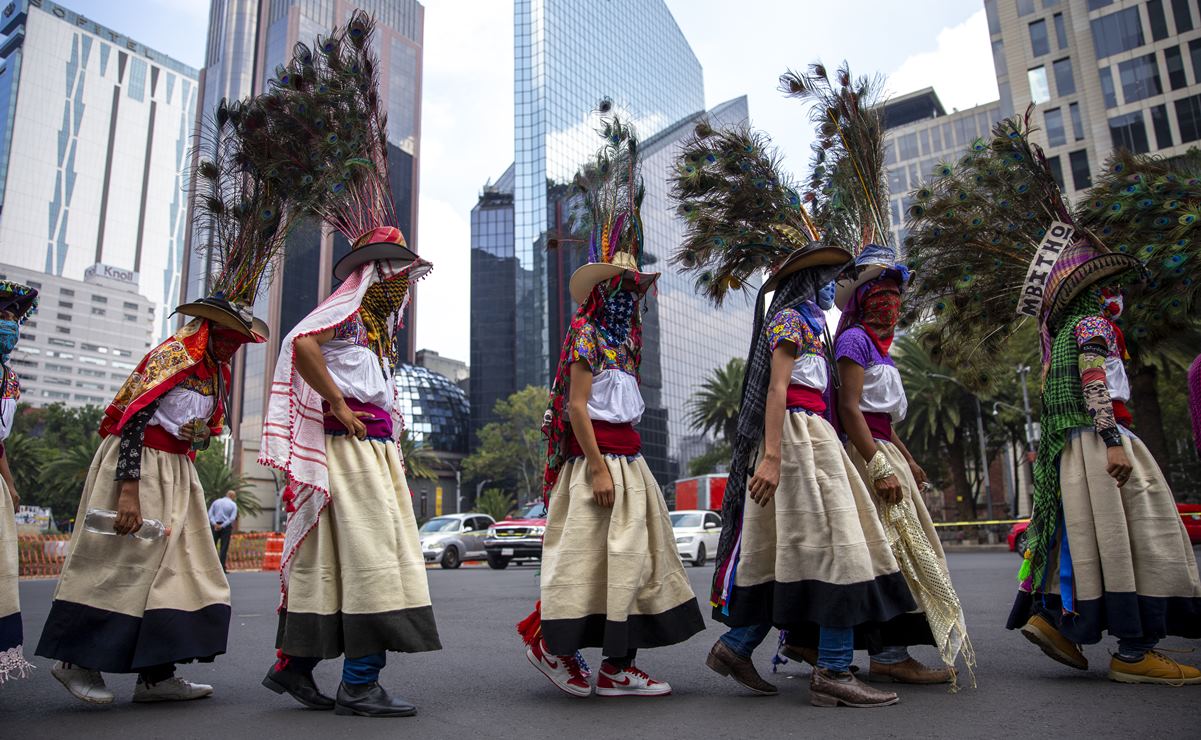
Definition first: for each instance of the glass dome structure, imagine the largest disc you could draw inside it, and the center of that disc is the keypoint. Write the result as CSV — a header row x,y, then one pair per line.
x,y
436,411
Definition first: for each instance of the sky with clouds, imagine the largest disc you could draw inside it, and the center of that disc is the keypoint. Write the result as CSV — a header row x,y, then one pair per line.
x,y
467,122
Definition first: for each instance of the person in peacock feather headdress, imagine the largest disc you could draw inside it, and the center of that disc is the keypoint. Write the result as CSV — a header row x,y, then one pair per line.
x,y
1107,550
352,576
17,303
810,555
850,196
611,575
129,606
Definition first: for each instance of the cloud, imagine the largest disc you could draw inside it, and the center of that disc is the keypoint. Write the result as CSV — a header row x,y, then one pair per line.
x,y
960,68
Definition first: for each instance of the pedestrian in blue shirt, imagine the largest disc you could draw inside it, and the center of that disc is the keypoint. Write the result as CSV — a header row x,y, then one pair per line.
x,y
222,514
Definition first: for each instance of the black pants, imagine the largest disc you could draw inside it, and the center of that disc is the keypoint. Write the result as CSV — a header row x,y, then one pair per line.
x,y
222,537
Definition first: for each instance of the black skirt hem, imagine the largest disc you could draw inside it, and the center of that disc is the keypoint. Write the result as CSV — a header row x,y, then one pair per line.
x,y
616,639
112,642
1127,615
310,635
833,605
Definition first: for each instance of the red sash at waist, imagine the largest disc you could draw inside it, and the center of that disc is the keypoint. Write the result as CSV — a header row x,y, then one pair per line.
x,y
612,439
804,397
158,438
880,424
378,426
1122,414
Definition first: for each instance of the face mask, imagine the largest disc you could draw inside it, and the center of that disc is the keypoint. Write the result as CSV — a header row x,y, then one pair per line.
x,y
1112,303
617,315
10,332
224,342
881,311
825,296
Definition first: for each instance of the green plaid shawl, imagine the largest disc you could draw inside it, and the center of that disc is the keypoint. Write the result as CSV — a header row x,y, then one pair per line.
x,y
1062,409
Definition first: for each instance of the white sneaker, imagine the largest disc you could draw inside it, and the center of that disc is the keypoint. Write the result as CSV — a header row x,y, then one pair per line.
x,y
629,682
84,684
172,689
563,671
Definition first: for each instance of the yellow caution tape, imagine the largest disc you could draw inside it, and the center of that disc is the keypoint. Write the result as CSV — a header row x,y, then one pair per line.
x,y
985,522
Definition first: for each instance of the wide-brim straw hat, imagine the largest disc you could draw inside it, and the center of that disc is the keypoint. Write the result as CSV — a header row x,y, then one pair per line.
x,y
586,277
384,243
230,315
813,254
1080,266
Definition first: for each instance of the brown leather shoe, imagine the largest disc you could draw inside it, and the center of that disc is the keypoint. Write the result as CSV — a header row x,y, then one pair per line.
x,y
726,662
907,671
805,655
1052,642
829,689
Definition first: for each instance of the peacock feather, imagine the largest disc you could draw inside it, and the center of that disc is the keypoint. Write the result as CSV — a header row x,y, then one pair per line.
x,y
848,188
742,213
611,190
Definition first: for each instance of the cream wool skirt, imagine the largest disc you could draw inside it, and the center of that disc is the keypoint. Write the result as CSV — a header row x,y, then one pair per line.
x,y
358,584
611,577
816,554
124,604
12,656
1132,568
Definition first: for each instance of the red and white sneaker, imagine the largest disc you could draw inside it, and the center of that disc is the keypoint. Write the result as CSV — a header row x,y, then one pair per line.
x,y
628,682
563,671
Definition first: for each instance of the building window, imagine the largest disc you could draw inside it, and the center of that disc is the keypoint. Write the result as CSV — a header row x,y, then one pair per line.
x,y
998,57
1025,7
1039,43
994,20
1061,32
122,365
92,347
129,306
99,299
63,317
1129,132
56,395
63,329
1050,3
130,317
1094,4
56,342
98,311
66,304
56,381
1117,32
1159,23
92,360
1056,134
1107,91
1065,82
1077,122
66,292
1081,177
1173,61
1140,78
907,146
1180,13
1040,92
1194,51
1188,118
1163,129
53,367
34,284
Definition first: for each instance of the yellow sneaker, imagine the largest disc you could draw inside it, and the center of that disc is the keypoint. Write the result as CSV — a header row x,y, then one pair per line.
x,y
1155,667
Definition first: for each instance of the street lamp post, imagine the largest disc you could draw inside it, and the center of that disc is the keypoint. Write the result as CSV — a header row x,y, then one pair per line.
x,y
983,441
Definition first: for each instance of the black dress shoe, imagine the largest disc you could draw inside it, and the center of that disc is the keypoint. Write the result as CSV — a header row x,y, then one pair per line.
x,y
300,686
370,700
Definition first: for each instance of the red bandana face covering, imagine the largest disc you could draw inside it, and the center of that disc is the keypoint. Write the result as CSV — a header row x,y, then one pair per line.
x,y
882,310
225,342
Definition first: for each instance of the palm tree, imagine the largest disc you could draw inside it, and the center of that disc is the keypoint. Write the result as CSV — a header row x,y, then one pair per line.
x,y
714,408
419,460
62,477
495,503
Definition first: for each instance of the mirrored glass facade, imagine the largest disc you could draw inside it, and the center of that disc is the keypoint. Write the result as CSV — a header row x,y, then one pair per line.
x,y
435,409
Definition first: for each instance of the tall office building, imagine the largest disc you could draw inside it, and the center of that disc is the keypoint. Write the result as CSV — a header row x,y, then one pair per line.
x,y
247,41
94,135
1103,73
522,249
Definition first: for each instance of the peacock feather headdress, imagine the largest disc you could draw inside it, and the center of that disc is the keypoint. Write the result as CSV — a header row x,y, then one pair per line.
x,y
848,188
742,212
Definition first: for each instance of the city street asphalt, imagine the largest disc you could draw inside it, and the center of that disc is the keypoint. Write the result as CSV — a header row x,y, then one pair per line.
x,y
480,685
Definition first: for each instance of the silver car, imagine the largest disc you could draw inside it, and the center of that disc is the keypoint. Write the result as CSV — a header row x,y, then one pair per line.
x,y
453,538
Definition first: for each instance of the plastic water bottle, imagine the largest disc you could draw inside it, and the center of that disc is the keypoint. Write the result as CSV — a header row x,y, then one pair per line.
x,y
101,521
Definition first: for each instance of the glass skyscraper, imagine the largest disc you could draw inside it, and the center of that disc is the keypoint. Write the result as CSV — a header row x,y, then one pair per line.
x,y
520,305
94,135
247,40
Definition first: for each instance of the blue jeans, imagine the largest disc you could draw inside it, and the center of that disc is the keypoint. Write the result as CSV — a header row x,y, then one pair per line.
x,y
836,648
1134,648
892,655
744,640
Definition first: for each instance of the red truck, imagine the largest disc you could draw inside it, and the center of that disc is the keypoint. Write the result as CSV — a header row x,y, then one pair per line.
x,y
704,492
516,537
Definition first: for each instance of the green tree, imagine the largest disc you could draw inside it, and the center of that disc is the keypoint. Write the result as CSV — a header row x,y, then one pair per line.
x,y
714,408
60,482
717,456
495,503
419,460
25,460
217,478
512,451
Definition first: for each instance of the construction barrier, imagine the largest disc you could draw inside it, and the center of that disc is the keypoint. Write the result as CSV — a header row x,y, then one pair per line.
x,y
43,555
